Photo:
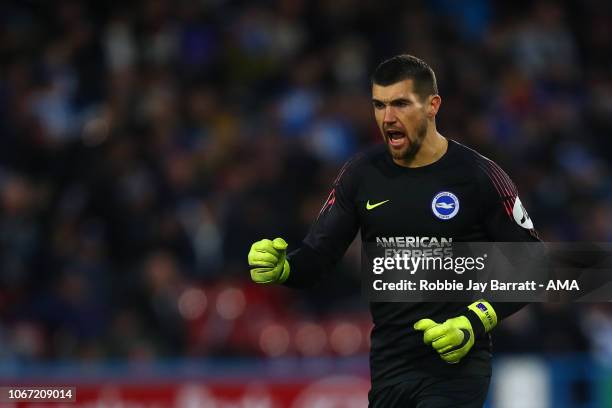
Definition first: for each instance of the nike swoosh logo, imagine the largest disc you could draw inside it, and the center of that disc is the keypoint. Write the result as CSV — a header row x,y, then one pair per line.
x,y
373,206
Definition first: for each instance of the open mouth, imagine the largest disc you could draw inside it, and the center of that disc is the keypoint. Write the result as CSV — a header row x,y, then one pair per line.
x,y
397,138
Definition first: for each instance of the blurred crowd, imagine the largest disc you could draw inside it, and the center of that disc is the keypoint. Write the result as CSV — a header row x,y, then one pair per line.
x,y
146,145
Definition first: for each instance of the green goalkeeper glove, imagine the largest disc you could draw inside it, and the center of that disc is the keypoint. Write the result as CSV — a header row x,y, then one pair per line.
x,y
268,261
454,338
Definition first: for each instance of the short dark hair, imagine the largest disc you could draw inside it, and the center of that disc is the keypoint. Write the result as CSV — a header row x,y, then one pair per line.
x,y
404,66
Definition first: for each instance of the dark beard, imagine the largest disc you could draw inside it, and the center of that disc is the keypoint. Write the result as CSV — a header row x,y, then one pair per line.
x,y
415,145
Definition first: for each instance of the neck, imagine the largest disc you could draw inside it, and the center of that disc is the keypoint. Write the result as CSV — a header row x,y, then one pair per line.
x,y
433,147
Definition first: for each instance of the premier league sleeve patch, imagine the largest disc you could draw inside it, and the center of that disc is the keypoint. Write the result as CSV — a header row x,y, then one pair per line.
x,y
520,214
445,205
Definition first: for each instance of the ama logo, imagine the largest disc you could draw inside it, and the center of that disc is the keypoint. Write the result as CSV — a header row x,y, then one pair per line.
x,y
445,205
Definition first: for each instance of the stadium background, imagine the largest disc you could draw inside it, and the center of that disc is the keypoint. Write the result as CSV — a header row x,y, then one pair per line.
x,y
145,145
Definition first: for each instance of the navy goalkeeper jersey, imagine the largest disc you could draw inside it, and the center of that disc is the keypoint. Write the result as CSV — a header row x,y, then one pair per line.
x,y
462,197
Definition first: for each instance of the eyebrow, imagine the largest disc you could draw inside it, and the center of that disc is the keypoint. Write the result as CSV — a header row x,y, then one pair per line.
x,y
401,99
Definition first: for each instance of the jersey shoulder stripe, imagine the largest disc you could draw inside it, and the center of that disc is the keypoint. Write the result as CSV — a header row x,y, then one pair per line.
x,y
502,183
359,160
350,166
505,188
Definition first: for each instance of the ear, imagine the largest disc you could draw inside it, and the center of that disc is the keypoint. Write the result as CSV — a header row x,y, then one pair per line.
x,y
433,105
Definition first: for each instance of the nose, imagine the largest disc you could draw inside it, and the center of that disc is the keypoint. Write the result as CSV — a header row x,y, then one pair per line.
x,y
389,115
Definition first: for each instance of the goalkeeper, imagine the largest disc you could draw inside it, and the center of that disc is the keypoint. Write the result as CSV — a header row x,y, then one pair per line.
x,y
421,184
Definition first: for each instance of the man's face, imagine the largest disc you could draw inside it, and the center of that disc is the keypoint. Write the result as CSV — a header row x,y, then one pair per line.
x,y
401,117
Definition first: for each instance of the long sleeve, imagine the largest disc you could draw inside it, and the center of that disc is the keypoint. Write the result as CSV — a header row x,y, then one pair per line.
x,y
333,231
505,220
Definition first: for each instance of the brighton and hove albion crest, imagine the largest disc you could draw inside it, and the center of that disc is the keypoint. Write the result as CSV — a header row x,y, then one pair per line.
x,y
445,205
